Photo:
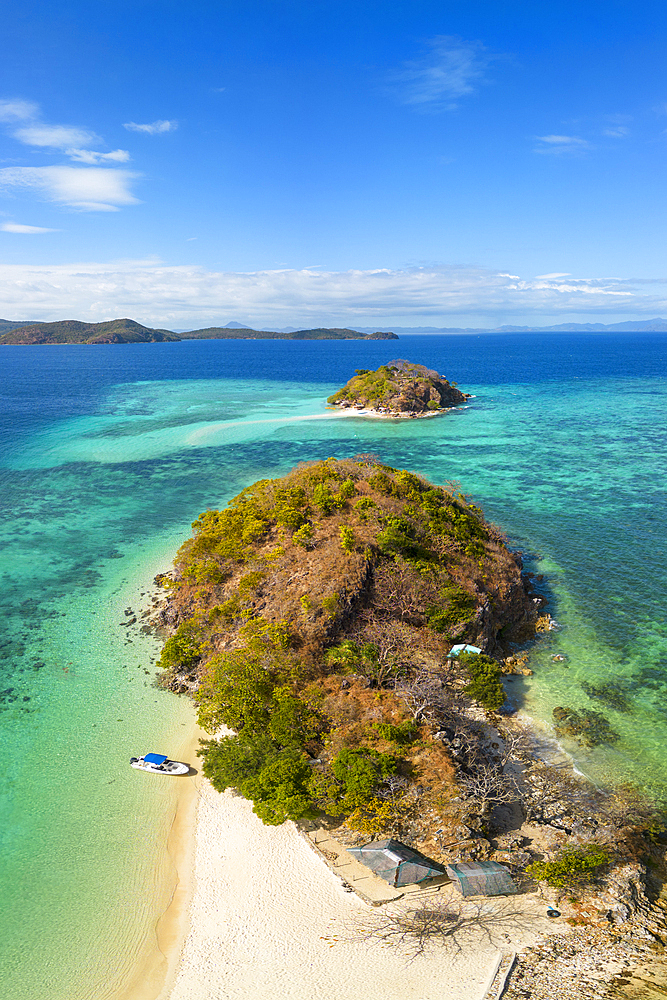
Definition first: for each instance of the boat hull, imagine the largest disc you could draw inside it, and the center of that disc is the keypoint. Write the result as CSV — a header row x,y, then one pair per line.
x,y
169,767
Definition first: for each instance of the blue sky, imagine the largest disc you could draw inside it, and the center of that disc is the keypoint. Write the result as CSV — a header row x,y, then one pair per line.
x,y
289,163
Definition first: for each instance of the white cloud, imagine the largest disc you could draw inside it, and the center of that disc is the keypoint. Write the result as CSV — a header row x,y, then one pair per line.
x,y
90,156
561,144
451,69
91,189
618,132
153,128
18,111
17,227
55,136
190,296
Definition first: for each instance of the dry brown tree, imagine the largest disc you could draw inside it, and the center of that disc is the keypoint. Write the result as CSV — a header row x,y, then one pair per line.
x,y
399,591
449,924
425,695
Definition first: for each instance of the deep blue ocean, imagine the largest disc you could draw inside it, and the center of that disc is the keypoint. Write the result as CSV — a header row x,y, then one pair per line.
x,y
107,454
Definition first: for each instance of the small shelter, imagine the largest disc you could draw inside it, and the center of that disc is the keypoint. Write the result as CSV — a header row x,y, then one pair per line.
x,y
481,878
396,863
463,647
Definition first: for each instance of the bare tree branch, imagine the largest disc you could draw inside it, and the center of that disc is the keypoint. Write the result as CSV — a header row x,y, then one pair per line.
x,y
445,924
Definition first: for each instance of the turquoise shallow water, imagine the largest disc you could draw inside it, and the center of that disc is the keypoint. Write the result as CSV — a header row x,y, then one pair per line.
x,y
108,454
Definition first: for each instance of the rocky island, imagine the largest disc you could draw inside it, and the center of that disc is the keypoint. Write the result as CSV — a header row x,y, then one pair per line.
x,y
398,389
315,618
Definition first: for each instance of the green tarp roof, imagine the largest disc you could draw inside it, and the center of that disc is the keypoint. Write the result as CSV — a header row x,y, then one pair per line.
x,y
396,863
481,878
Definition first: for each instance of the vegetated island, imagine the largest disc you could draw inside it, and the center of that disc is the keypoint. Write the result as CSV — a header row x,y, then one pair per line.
x,y
72,331
319,333
315,616
127,331
398,389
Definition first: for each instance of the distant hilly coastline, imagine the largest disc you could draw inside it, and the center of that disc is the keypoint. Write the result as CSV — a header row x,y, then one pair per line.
x,y
127,331
71,331
320,333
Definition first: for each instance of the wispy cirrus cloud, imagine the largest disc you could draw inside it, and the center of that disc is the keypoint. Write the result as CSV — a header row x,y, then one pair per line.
x,y
93,157
190,296
55,136
18,110
69,139
17,227
152,128
616,132
450,69
88,189
559,144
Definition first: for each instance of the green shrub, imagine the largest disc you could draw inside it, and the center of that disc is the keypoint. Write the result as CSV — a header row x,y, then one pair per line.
x,y
235,691
185,647
331,605
403,734
304,536
227,612
347,490
323,499
350,657
346,539
364,506
574,867
381,482
359,774
276,779
249,583
399,539
408,485
262,636
485,684
457,608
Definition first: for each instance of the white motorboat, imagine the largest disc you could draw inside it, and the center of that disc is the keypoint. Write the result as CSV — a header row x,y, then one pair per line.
x,y
159,764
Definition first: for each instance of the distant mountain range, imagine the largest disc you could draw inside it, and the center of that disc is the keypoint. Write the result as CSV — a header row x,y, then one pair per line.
x,y
630,326
127,331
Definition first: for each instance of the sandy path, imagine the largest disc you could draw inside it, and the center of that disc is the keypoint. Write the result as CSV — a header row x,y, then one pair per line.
x,y
263,916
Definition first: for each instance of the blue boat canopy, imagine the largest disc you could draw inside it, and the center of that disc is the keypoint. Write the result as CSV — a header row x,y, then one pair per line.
x,y
463,647
154,758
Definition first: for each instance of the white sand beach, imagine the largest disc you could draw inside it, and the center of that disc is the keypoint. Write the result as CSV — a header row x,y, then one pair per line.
x,y
268,918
